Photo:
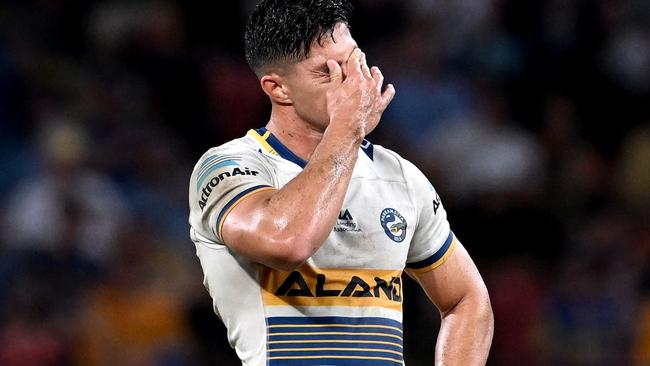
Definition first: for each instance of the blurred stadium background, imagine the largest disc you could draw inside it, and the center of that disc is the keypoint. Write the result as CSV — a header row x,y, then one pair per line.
x,y
532,118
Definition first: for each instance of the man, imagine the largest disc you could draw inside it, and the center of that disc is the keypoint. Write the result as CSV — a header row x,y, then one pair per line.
x,y
303,228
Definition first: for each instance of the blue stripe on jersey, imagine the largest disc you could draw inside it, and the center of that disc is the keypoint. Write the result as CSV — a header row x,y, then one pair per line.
x,y
282,150
333,361
435,257
211,169
232,202
335,328
337,336
208,160
339,340
212,160
335,344
328,352
333,320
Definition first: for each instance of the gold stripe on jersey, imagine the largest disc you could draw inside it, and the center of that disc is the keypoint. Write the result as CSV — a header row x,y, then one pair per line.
x,y
234,204
311,286
294,341
332,326
340,333
363,358
352,349
262,140
437,263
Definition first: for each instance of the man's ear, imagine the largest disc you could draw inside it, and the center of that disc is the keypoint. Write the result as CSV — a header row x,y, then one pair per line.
x,y
276,88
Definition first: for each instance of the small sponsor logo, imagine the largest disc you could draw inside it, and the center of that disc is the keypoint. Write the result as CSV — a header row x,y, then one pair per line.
x,y
436,204
208,188
346,223
394,224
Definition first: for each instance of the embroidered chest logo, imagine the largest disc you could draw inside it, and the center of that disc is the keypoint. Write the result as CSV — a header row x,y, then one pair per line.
x,y
346,223
394,224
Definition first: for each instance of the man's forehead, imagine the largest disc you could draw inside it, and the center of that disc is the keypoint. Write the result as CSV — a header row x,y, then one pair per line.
x,y
338,47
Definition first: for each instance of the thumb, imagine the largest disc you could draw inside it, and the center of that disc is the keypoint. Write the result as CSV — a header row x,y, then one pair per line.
x,y
336,74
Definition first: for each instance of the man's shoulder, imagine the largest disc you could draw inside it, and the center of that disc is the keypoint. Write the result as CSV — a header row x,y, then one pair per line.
x,y
388,164
238,149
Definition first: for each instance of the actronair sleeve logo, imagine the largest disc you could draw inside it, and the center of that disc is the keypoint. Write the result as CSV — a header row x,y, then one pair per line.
x,y
211,184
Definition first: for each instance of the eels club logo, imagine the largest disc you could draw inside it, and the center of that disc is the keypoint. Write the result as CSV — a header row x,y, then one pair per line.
x,y
394,224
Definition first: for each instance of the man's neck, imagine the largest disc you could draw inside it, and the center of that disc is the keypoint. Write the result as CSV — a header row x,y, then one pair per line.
x,y
296,134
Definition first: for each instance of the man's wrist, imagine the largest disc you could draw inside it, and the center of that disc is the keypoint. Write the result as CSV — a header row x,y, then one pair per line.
x,y
344,132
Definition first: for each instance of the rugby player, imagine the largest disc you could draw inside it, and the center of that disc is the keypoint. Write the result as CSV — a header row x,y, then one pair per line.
x,y
304,228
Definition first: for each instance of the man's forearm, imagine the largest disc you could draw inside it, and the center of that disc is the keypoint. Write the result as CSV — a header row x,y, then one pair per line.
x,y
283,228
309,204
466,333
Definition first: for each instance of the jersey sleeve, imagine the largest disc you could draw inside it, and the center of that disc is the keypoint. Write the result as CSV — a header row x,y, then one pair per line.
x,y
433,240
220,180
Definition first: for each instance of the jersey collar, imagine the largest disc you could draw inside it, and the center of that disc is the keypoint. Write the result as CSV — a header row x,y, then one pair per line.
x,y
275,147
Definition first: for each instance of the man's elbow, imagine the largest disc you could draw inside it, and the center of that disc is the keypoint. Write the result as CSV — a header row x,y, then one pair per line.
x,y
288,263
475,305
482,308
290,252
487,315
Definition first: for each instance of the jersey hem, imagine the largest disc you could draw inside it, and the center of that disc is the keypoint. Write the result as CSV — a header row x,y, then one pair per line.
x,y
234,202
435,260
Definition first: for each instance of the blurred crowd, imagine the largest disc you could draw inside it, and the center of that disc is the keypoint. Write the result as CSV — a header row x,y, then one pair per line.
x,y
531,118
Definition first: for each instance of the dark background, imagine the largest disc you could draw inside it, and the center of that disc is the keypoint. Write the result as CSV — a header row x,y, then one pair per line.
x,y
531,118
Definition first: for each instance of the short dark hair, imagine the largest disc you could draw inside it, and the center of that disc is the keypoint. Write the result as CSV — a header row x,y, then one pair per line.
x,y
281,31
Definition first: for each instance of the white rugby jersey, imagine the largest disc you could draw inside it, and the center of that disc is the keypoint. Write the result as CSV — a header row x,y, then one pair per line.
x,y
344,305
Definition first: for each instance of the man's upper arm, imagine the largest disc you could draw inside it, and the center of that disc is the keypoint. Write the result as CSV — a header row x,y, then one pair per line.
x,y
452,281
222,180
436,258
230,194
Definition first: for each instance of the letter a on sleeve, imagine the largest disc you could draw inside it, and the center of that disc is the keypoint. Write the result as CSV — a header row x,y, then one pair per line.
x,y
433,240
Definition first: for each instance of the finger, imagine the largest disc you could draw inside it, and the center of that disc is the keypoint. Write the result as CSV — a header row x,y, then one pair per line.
x,y
354,63
352,55
378,77
364,66
387,97
336,74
